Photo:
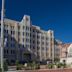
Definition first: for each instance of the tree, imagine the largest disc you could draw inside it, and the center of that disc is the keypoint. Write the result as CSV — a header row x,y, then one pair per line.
x,y
17,65
27,57
56,60
5,66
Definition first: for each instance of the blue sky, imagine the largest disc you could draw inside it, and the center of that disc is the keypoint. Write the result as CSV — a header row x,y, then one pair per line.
x,y
48,14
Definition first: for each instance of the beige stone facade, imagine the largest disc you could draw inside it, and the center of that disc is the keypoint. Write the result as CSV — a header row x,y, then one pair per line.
x,y
23,37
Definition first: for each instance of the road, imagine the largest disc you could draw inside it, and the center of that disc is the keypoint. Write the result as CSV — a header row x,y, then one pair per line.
x,y
45,70
11,71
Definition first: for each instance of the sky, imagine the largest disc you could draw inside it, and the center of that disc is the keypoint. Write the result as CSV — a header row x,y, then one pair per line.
x,y
48,14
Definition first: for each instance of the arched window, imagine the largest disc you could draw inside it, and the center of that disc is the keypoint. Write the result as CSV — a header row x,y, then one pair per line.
x,y
70,52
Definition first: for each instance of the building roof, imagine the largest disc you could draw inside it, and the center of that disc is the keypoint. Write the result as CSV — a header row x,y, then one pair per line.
x,y
64,45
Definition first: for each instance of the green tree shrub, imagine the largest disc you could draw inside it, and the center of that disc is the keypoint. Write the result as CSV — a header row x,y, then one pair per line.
x,y
5,66
18,66
37,66
33,65
56,60
59,65
50,66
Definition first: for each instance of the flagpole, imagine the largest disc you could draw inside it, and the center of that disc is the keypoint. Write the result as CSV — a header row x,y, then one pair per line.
x,y
2,35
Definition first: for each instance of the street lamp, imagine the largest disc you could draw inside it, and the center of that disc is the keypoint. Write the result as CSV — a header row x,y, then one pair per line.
x,y
2,35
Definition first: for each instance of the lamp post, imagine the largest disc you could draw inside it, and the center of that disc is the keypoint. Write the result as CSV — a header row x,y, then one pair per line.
x,y
2,36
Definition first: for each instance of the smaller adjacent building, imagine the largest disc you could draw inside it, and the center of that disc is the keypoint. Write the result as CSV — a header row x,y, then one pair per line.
x,y
57,49
66,53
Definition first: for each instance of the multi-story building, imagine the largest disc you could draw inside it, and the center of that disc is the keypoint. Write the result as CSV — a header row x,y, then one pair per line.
x,y
26,41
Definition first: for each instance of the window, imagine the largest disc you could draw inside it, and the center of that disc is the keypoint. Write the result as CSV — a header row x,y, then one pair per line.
x,y
47,48
27,40
38,48
11,38
42,43
23,39
38,37
23,27
12,32
70,50
5,26
46,43
5,31
12,52
33,47
30,29
33,30
33,36
46,38
5,35
7,44
30,46
42,55
38,42
27,34
42,37
42,48
23,33
30,35
19,39
51,34
18,27
30,40
27,46
19,46
12,45
27,28
18,33
7,51
33,41
47,54
12,27
23,46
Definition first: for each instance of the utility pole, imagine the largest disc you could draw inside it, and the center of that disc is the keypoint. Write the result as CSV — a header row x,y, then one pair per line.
x,y
2,35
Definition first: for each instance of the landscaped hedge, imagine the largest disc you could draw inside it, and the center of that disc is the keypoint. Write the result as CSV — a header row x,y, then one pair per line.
x,y
50,66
